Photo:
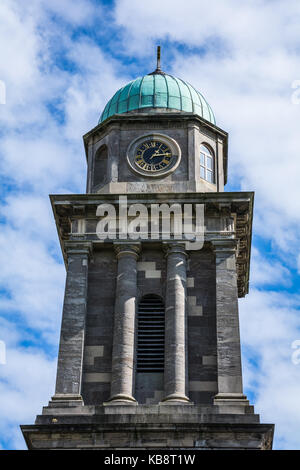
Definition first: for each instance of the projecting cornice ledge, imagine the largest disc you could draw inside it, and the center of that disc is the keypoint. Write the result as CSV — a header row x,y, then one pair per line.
x,y
228,215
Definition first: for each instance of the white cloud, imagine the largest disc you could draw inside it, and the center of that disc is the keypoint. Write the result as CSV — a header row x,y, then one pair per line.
x,y
266,272
239,25
31,214
90,88
31,275
26,384
33,279
76,12
8,333
22,66
46,162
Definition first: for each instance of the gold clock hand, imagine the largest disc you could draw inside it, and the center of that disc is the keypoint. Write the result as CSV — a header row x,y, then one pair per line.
x,y
158,155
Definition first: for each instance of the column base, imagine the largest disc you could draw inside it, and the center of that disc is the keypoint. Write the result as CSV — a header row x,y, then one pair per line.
x,y
232,403
65,400
231,397
121,399
175,398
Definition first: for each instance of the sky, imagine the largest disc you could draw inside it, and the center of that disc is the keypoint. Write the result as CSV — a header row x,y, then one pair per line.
x,y
60,62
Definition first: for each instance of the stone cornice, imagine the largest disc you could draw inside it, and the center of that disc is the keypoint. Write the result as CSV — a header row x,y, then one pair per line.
x,y
228,215
127,117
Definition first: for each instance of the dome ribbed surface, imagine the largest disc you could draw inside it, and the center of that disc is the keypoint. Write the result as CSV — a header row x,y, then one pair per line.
x,y
158,90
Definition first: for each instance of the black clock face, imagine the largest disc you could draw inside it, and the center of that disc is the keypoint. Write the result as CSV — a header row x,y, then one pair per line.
x,y
153,156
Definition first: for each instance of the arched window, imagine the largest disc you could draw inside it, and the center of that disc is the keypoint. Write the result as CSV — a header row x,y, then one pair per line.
x,y
100,166
150,334
207,170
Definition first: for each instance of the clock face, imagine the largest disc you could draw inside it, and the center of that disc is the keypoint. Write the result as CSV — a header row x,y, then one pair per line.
x,y
153,155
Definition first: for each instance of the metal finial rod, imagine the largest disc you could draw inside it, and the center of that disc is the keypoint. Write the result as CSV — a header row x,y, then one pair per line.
x,y
158,58
158,69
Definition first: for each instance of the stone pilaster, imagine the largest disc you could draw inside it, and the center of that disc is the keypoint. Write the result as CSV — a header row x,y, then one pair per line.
x,y
193,161
219,171
70,356
124,324
230,387
175,372
113,154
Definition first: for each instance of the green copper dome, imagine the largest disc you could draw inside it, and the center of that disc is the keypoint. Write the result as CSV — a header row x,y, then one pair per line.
x,y
158,90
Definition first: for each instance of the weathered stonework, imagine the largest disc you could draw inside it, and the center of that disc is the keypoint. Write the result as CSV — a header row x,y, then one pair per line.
x,y
188,130
148,427
102,400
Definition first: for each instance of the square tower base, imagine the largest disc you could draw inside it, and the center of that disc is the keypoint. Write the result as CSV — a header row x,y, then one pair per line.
x,y
137,427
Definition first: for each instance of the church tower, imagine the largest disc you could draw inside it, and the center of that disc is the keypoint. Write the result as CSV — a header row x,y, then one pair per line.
x,y
149,353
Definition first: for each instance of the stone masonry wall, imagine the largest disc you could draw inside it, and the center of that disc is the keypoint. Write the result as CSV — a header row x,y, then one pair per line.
x,y
99,327
151,279
202,354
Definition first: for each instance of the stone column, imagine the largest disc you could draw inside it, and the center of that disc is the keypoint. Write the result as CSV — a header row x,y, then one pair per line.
x,y
124,325
230,387
175,371
70,356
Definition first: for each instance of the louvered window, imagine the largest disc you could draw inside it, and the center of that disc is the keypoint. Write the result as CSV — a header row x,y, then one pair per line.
x,y
150,334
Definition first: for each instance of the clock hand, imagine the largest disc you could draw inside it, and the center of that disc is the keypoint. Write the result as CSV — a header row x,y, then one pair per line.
x,y
159,155
156,152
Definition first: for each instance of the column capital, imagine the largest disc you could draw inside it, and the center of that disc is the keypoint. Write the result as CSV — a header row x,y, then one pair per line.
x,y
175,248
78,248
229,245
116,126
125,249
193,125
